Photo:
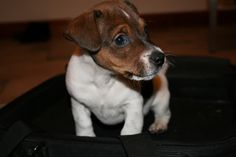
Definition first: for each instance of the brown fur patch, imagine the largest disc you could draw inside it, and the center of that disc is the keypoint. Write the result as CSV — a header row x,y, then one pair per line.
x,y
78,51
156,83
98,33
135,85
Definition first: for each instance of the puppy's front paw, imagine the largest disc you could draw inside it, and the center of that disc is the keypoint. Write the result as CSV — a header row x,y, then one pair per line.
x,y
158,127
84,132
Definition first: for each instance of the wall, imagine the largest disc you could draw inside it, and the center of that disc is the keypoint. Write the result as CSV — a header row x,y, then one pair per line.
x,y
34,10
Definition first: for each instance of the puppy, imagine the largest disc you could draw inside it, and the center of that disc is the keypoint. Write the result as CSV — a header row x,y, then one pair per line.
x,y
113,55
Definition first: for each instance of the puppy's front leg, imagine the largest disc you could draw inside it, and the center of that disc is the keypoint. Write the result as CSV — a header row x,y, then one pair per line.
x,y
83,122
160,105
133,118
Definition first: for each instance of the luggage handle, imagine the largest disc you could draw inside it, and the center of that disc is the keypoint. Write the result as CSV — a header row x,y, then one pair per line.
x,y
13,137
140,145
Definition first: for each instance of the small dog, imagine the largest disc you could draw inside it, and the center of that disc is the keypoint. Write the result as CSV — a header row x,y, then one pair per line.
x,y
113,55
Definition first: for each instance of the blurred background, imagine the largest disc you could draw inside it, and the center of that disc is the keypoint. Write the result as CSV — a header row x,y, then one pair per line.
x,y
32,48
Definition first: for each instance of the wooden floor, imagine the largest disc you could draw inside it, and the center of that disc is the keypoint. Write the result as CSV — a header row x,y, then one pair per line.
x,y
24,66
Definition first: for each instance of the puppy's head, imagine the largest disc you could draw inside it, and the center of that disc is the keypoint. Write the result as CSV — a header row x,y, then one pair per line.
x,y
116,37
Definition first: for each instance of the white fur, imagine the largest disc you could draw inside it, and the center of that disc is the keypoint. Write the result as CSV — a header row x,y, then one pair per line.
x,y
145,78
97,90
150,69
125,13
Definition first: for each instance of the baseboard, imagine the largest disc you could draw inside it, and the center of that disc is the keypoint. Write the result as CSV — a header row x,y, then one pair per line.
x,y
160,20
189,18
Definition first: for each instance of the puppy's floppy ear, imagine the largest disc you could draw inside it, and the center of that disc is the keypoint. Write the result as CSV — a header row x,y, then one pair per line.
x,y
83,30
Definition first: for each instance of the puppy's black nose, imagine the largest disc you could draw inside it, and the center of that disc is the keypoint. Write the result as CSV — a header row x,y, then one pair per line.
x,y
157,58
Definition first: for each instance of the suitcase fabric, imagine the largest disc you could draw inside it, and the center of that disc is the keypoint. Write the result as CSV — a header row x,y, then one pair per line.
x,y
203,122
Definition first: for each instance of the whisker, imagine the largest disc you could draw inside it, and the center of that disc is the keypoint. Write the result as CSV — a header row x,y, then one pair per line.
x,y
170,58
169,53
170,63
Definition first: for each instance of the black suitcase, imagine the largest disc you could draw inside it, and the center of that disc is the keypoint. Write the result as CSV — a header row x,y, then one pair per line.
x,y
203,122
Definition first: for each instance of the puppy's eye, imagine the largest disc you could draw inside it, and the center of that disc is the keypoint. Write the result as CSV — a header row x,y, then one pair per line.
x,y
121,40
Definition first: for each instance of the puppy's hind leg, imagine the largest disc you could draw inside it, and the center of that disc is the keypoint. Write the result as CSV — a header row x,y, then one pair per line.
x,y
160,104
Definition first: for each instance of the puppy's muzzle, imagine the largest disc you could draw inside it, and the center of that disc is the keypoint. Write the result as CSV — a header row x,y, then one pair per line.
x,y
157,58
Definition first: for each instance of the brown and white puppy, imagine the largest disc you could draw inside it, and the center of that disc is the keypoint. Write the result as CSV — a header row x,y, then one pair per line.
x,y
113,54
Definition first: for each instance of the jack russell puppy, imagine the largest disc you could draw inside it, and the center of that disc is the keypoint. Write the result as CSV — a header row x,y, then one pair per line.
x,y
113,55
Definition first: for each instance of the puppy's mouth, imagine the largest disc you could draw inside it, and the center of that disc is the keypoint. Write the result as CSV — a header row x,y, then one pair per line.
x,y
136,77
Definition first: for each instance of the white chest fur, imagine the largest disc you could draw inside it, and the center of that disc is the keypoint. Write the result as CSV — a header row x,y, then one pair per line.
x,y
99,90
